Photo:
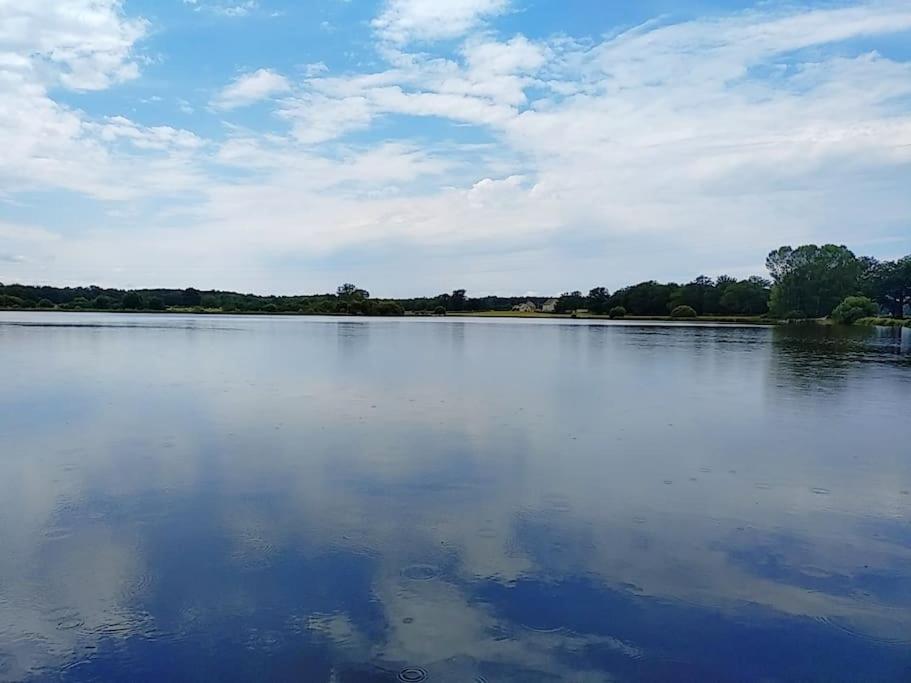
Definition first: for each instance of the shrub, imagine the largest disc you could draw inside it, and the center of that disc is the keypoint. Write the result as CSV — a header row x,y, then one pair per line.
x,y
795,315
617,312
45,303
853,308
439,310
683,312
389,308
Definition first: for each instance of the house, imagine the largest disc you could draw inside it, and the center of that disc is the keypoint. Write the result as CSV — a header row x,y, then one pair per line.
x,y
549,306
527,307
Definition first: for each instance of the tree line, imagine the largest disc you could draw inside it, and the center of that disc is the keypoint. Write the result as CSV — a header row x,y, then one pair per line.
x,y
348,299
808,281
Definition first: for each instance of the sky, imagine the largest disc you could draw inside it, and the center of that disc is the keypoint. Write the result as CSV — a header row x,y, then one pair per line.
x,y
418,146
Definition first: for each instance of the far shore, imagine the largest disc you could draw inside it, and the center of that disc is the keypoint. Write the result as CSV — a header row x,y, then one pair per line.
x,y
759,321
579,315
584,315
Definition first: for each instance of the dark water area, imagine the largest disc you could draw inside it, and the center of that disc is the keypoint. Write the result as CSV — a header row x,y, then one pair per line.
x,y
333,500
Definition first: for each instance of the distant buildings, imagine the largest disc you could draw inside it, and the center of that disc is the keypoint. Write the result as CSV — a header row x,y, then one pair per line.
x,y
549,306
527,307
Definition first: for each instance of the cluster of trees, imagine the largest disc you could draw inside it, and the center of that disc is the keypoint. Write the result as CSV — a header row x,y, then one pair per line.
x,y
458,302
707,296
812,281
348,299
807,281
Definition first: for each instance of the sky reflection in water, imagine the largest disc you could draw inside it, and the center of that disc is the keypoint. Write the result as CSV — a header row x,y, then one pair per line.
x,y
337,500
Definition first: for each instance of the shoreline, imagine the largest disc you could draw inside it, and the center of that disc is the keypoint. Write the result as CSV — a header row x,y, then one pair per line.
x,y
732,320
757,321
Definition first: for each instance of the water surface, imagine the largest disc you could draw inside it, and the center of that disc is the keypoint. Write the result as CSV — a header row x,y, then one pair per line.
x,y
333,499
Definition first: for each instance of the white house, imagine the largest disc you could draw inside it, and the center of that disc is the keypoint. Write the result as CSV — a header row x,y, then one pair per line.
x,y
549,306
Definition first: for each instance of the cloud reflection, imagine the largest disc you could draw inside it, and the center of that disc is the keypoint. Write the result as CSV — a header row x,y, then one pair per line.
x,y
341,500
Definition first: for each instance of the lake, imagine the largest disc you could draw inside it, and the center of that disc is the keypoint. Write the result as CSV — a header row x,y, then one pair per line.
x,y
342,499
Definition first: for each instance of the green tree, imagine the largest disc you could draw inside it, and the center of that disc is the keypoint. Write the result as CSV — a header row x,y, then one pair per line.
x,y
746,297
457,300
570,302
617,312
700,295
8,301
45,303
155,303
351,298
190,297
132,301
812,279
598,300
889,283
853,308
101,301
645,298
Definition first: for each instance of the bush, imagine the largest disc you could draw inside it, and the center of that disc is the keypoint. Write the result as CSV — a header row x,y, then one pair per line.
x,y
389,308
683,312
795,315
45,303
617,312
439,310
853,308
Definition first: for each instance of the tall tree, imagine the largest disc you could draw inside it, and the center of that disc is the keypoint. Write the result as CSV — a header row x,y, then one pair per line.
x,y
599,300
812,279
570,301
132,300
191,297
889,283
457,300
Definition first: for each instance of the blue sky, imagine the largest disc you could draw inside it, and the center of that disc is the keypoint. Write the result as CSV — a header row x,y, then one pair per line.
x,y
416,146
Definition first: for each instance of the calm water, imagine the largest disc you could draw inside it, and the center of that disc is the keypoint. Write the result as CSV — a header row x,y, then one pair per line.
x,y
467,500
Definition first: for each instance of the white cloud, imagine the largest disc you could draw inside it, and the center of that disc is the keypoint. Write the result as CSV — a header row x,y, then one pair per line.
x,y
79,45
402,21
152,138
226,9
252,87
83,44
238,10
317,118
